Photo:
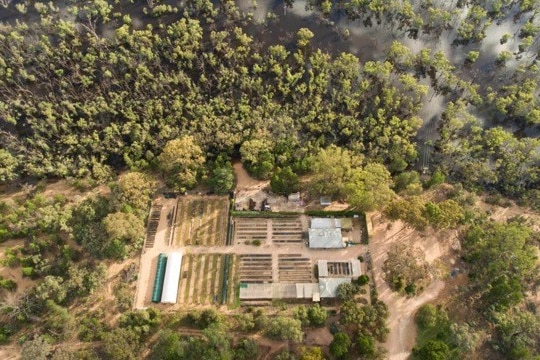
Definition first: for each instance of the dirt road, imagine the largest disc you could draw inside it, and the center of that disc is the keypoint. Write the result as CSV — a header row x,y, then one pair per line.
x,y
402,335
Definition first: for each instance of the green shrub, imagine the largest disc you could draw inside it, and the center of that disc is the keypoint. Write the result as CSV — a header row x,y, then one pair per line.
x,y
91,328
410,289
11,257
8,284
5,332
362,280
28,271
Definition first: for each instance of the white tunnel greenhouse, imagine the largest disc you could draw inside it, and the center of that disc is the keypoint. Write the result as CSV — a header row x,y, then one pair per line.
x,y
172,278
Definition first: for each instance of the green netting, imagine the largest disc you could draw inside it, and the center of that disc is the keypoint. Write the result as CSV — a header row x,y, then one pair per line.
x,y
225,283
158,281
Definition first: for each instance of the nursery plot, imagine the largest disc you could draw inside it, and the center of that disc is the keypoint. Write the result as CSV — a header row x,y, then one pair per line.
x,y
339,268
250,229
255,268
201,279
278,230
201,220
153,222
287,231
294,268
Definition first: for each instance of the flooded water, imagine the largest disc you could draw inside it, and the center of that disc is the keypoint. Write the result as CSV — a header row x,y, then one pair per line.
x,y
339,34
276,23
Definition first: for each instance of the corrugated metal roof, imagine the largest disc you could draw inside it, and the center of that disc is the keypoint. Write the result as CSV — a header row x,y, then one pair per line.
x,y
325,200
322,267
325,238
278,291
325,223
356,268
328,286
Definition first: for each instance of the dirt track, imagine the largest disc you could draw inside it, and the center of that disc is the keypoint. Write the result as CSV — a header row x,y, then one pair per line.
x,y
402,335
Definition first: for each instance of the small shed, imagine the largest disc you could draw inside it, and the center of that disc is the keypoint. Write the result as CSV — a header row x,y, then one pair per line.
x,y
322,267
294,197
356,268
325,201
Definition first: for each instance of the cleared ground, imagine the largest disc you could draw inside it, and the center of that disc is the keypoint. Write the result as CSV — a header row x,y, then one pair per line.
x,y
263,250
436,247
201,221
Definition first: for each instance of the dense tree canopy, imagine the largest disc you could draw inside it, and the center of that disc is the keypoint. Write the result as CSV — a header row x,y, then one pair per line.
x,y
340,345
182,161
284,328
488,158
119,99
341,174
92,88
134,190
502,260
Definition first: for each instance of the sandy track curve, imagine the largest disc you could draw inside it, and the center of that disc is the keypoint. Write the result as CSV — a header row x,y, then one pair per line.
x,y
402,336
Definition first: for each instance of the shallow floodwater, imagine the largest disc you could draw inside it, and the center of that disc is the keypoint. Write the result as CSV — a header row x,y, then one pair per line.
x,y
338,34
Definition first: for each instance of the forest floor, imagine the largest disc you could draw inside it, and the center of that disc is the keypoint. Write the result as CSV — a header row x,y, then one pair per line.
x,y
244,180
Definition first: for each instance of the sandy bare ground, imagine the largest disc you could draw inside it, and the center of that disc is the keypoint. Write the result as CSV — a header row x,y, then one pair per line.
x,y
402,335
318,337
499,213
243,180
10,352
258,190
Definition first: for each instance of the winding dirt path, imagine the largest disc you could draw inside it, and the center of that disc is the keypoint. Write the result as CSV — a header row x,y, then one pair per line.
x,y
402,336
